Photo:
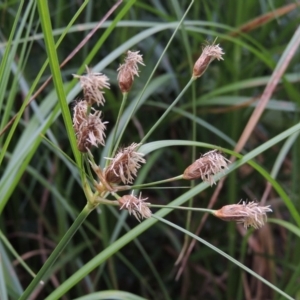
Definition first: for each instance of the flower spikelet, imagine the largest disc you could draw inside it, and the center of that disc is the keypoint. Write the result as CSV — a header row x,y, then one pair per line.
x,y
206,166
128,70
135,206
124,166
209,53
79,114
93,85
250,214
90,131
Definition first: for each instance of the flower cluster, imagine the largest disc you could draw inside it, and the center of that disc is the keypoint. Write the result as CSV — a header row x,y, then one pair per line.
x,y
87,122
93,85
209,53
89,129
135,206
124,166
128,70
206,166
250,214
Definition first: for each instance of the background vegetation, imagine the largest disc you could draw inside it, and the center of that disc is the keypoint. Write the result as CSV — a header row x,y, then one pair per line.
x,y
113,255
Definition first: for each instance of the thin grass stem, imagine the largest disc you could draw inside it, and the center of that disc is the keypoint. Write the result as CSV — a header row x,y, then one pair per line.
x,y
183,208
56,252
158,122
111,152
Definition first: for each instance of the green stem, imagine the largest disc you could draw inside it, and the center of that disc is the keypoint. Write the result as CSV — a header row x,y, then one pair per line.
x,y
112,153
100,200
56,252
139,186
15,254
230,258
167,110
184,208
154,70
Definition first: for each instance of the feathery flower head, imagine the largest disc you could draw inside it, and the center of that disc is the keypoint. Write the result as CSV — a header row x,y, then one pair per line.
x,y
206,166
93,85
79,114
209,53
250,214
90,131
124,165
135,206
128,70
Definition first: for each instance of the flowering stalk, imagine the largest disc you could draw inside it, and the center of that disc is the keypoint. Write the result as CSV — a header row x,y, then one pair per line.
x,y
144,185
128,70
126,73
88,126
167,111
207,210
250,214
209,53
114,145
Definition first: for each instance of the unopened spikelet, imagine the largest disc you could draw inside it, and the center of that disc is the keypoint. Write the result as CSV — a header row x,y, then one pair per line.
x,y
209,53
135,206
93,85
89,129
250,214
128,70
124,166
206,167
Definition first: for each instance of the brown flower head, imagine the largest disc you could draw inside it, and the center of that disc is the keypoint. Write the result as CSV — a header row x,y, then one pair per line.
x,y
135,206
93,85
124,165
79,114
206,166
250,214
209,53
128,70
89,129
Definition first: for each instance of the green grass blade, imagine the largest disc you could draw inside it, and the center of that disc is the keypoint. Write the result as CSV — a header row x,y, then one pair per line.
x,y
236,262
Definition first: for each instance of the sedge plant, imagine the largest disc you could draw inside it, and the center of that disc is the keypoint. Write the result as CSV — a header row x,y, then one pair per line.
x,y
117,181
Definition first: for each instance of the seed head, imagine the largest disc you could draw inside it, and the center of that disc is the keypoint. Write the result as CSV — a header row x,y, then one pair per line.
x,y
79,114
128,70
209,53
93,85
135,206
250,214
124,165
89,130
206,166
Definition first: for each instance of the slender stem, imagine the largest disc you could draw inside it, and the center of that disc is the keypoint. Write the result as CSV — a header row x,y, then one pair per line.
x,y
154,70
183,208
100,200
230,258
56,252
88,167
111,152
167,110
138,186
15,254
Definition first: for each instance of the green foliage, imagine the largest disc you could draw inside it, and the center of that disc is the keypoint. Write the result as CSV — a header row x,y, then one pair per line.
x,y
97,251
